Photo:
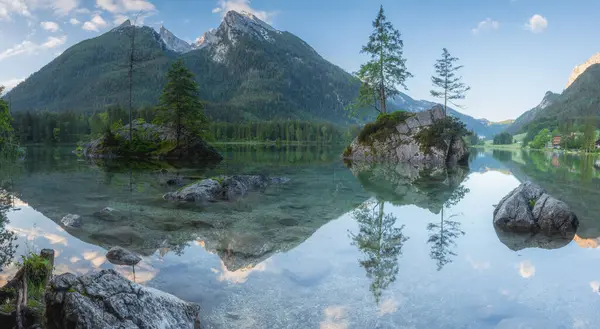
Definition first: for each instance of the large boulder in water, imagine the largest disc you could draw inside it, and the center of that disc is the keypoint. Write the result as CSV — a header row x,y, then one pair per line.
x,y
396,139
223,188
108,300
528,208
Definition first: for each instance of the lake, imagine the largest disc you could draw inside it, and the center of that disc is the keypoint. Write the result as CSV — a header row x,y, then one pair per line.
x,y
338,246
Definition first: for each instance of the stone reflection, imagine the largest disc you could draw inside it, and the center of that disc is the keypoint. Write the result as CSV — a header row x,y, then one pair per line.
x,y
403,184
444,234
380,240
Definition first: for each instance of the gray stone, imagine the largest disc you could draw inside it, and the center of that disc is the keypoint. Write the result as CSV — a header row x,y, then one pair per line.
x,y
412,123
402,128
425,118
437,112
108,300
110,215
71,220
121,256
202,191
554,215
229,188
528,208
513,212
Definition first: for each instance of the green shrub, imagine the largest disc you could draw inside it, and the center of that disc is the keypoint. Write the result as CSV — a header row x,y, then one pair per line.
x,y
532,203
37,270
348,151
436,135
384,126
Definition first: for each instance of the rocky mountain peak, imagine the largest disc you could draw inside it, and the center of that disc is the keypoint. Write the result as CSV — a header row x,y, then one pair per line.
x,y
174,43
579,69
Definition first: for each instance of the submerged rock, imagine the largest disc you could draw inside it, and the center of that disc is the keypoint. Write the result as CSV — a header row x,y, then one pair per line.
x,y
108,300
401,145
110,215
121,256
528,208
71,220
224,188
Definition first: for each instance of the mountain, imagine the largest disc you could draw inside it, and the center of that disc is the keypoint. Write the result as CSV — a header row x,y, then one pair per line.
x,y
529,116
246,70
174,43
482,127
579,69
580,101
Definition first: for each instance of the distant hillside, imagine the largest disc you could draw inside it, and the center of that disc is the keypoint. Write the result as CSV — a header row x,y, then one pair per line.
x,y
482,127
522,121
580,101
246,70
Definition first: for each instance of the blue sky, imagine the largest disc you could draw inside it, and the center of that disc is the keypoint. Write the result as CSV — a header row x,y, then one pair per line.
x,y
513,50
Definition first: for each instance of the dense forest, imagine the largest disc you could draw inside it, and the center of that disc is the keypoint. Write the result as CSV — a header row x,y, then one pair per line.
x,y
72,127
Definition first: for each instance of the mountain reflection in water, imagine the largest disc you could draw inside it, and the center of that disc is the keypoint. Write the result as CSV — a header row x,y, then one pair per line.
x,y
382,246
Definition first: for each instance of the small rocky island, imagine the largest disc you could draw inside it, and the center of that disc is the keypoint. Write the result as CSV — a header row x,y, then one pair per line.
x,y
424,139
149,142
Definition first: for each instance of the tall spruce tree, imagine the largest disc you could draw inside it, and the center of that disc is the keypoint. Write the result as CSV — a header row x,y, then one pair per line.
x,y
449,84
5,120
180,106
386,70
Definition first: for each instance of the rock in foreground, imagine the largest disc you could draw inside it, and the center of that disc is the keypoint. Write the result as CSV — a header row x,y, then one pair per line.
x,y
108,300
398,138
528,208
223,188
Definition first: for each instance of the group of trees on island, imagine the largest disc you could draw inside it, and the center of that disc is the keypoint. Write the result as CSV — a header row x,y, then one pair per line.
x,y
386,70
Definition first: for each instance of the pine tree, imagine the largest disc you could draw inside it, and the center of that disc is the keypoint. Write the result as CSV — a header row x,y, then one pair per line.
x,y
452,88
589,135
5,120
387,68
180,106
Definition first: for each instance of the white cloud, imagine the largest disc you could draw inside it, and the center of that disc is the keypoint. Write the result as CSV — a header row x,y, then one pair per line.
x,y
11,83
537,24
54,42
74,21
224,6
95,24
82,11
124,6
10,7
89,26
487,25
49,26
28,47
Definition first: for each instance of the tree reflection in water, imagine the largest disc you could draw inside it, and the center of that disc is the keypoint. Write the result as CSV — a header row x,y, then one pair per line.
x,y
7,238
444,234
381,243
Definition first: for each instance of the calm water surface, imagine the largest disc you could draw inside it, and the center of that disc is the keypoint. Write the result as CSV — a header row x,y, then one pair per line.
x,y
335,247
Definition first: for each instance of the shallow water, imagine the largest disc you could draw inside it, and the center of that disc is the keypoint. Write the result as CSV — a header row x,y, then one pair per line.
x,y
335,247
